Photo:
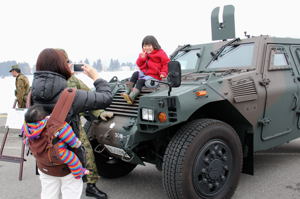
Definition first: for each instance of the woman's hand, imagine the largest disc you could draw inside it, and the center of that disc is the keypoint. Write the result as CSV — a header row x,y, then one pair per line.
x,y
106,115
90,72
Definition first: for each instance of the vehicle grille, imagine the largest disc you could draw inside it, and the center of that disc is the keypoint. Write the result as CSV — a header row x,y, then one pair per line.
x,y
172,110
244,90
120,107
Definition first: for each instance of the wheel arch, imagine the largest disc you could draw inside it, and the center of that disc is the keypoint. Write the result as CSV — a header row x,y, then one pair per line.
x,y
221,110
226,112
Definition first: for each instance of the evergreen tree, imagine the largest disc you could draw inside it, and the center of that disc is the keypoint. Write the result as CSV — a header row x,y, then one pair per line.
x,y
86,61
117,64
99,65
130,64
114,65
111,65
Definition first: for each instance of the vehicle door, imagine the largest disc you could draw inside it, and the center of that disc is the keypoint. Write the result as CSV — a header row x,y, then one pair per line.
x,y
281,88
295,51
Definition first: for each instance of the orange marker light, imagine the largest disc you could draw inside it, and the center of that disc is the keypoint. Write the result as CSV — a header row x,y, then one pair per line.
x,y
201,93
162,117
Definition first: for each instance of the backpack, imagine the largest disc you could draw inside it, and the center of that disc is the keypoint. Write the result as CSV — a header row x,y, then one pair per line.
x,y
45,149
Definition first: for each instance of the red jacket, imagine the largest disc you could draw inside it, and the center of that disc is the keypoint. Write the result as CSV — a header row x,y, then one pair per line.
x,y
154,64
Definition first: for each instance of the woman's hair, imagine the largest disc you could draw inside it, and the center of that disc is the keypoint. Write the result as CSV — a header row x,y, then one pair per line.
x,y
151,40
64,53
35,113
53,60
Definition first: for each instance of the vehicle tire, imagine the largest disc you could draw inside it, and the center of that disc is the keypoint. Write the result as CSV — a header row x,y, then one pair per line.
x,y
203,160
111,167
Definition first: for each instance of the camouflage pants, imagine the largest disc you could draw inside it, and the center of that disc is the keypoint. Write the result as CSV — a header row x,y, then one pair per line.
x,y
90,158
22,103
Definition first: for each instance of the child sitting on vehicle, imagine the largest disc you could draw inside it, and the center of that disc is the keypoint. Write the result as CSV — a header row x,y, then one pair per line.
x,y
152,63
35,121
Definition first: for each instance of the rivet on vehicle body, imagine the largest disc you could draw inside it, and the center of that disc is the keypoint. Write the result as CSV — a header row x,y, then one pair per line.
x,y
206,160
220,153
213,153
223,178
161,104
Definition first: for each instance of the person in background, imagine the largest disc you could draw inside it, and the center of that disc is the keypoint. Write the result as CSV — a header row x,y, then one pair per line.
x,y
50,79
93,176
152,63
22,86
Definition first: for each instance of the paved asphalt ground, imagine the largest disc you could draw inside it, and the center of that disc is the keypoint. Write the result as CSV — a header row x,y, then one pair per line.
x,y
276,176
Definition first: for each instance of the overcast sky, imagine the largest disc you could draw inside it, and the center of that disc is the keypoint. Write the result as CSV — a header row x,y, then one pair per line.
x,y
115,28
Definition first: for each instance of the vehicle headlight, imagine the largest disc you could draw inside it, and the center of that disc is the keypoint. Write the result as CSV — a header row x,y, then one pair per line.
x,y
147,114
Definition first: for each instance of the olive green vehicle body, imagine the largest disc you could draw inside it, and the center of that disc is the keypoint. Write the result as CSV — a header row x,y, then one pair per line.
x,y
236,97
259,100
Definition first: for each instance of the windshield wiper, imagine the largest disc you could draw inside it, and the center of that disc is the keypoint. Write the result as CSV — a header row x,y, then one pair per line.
x,y
179,49
231,48
216,55
178,55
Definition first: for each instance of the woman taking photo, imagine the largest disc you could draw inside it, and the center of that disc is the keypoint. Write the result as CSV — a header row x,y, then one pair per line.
x,y
50,79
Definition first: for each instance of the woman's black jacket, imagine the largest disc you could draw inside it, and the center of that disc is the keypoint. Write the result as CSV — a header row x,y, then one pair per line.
x,y
47,86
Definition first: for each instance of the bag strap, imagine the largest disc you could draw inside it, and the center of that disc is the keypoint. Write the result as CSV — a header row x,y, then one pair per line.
x,y
61,109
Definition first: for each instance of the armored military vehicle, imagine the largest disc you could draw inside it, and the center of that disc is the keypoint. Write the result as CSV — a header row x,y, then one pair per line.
x,y
231,98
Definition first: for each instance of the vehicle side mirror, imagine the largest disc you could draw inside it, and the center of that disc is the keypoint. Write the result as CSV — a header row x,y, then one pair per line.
x,y
174,76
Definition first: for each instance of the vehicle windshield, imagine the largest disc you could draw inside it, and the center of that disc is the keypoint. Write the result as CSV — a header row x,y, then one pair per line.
x,y
188,59
235,56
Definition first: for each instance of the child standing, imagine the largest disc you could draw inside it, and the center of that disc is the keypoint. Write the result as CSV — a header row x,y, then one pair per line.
x,y
152,63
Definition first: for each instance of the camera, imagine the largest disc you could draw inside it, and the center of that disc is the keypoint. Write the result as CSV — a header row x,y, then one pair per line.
x,y
77,67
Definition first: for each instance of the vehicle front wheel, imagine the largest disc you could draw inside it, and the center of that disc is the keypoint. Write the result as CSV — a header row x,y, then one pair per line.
x,y
203,160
